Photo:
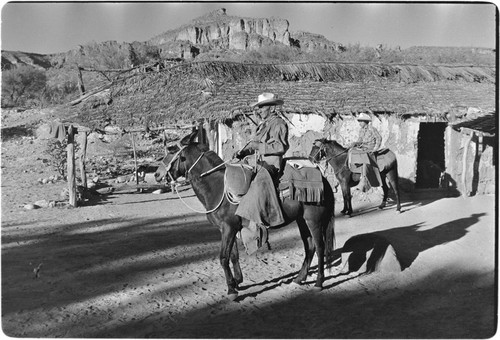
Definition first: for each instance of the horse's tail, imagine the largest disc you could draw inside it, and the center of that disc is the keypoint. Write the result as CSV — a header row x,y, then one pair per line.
x,y
330,241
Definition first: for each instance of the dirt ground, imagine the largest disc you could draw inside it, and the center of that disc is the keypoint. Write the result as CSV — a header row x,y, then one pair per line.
x,y
144,265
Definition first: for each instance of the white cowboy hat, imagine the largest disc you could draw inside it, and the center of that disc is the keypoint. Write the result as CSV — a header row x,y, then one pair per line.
x,y
267,99
364,117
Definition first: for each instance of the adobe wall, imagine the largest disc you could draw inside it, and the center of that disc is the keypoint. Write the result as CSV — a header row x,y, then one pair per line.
x,y
480,170
399,136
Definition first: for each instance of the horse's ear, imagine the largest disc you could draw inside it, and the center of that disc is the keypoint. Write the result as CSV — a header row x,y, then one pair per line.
x,y
189,138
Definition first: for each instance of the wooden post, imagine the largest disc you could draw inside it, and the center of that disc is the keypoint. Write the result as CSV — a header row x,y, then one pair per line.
x,y
135,162
480,144
165,141
464,165
71,166
83,155
201,133
81,86
219,139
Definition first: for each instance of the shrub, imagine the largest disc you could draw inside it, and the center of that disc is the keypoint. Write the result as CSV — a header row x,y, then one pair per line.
x,y
23,85
58,158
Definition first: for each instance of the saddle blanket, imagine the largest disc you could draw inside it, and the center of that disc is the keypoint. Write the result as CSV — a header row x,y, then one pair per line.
x,y
304,183
356,158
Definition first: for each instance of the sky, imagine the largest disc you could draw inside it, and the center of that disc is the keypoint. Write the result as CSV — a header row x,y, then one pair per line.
x,y
52,27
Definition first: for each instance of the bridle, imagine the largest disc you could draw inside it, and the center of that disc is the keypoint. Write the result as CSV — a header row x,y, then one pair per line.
x,y
322,154
321,148
176,158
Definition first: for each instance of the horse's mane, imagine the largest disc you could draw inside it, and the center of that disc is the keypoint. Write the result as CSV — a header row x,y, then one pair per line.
x,y
213,158
331,142
335,143
210,155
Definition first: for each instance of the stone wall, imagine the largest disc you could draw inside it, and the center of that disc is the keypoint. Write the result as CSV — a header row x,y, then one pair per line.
x,y
401,136
304,129
480,171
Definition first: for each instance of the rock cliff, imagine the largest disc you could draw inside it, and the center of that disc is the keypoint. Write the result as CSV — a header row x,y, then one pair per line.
x,y
213,31
218,30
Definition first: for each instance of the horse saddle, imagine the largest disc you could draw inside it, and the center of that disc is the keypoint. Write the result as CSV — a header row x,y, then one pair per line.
x,y
302,181
238,177
356,158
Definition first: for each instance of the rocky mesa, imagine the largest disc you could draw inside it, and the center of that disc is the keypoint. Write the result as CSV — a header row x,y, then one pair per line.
x,y
218,30
213,31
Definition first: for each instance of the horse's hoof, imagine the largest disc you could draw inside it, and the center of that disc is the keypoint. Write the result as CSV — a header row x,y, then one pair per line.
x,y
293,283
347,216
317,289
232,296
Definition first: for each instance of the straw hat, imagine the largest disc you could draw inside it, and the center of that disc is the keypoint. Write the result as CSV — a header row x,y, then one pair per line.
x,y
267,99
363,117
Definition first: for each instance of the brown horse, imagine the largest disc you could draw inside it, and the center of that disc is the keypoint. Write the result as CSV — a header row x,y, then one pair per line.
x,y
336,155
205,171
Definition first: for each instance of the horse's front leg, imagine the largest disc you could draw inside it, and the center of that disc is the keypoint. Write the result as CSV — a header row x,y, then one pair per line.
x,y
385,189
346,194
226,253
394,183
320,252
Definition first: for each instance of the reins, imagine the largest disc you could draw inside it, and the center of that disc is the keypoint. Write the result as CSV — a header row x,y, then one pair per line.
x,y
172,183
322,148
199,211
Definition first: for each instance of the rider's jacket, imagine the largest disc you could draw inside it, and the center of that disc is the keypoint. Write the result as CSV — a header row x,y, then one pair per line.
x,y
369,139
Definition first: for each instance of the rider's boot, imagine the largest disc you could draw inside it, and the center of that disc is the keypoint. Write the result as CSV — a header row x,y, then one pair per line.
x,y
254,236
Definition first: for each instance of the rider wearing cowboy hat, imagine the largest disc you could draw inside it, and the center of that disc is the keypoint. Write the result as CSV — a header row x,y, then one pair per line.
x,y
368,141
271,138
269,143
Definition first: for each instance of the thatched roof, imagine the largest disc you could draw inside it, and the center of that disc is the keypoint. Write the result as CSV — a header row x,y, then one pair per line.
x,y
222,90
483,124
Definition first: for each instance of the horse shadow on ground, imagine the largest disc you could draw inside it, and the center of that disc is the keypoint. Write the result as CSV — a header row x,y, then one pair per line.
x,y
409,199
405,243
274,283
391,250
287,279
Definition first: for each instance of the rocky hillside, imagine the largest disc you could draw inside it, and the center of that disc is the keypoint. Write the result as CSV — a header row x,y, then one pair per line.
x,y
217,30
11,59
213,31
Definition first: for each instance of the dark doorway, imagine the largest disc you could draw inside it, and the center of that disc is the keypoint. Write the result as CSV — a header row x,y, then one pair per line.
x,y
430,157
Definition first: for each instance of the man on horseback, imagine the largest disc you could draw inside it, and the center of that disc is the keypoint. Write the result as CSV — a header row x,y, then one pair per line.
x,y
270,141
362,150
268,146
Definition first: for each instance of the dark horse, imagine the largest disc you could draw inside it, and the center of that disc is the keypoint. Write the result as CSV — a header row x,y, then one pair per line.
x,y
205,171
336,155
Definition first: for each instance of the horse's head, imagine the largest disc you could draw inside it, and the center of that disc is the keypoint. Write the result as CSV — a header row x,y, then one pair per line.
x,y
175,164
318,151
169,162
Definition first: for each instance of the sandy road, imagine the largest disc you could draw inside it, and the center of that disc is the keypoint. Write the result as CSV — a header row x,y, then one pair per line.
x,y
143,265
